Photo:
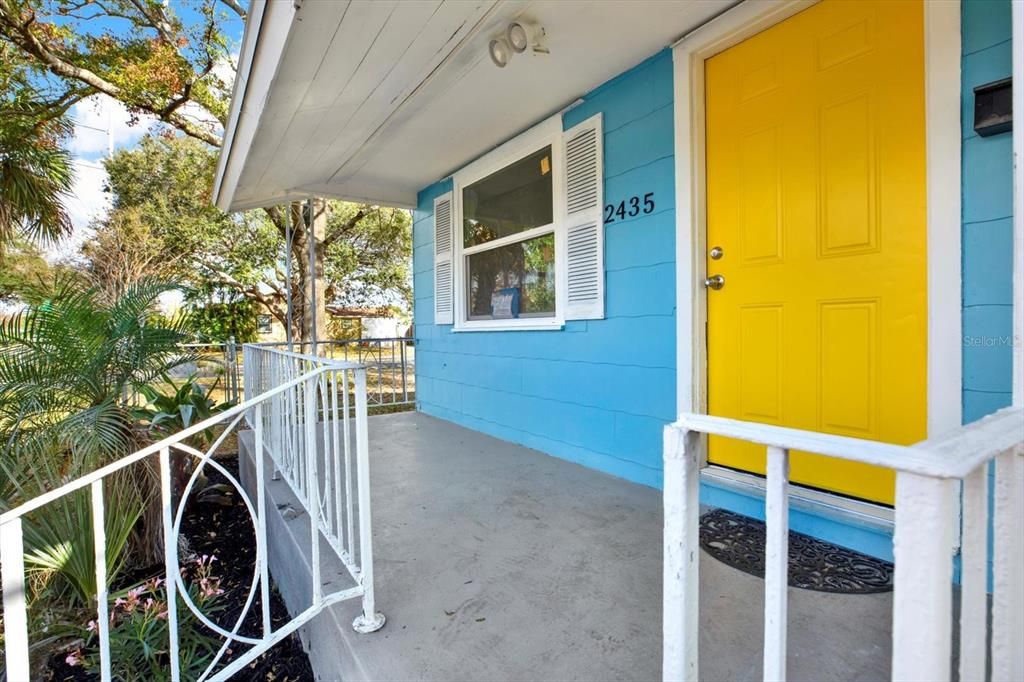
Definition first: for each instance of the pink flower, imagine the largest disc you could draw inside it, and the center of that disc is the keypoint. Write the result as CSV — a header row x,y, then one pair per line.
x,y
91,627
74,658
210,587
130,601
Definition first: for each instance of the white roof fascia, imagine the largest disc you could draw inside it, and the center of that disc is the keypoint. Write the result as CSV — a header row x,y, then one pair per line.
x,y
266,35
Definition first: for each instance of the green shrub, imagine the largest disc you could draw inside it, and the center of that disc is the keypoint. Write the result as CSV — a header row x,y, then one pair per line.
x,y
165,414
218,322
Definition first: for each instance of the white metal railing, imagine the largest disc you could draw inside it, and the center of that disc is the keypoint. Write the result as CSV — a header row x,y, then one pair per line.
x,y
328,414
224,359
291,424
928,478
389,362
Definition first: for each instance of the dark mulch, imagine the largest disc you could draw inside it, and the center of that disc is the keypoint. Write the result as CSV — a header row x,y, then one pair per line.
x,y
220,525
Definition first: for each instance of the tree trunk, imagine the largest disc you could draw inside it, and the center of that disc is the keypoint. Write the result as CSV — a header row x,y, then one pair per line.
x,y
305,287
314,285
307,278
299,268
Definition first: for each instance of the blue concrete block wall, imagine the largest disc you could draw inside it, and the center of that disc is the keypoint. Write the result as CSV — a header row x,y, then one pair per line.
x,y
597,392
987,218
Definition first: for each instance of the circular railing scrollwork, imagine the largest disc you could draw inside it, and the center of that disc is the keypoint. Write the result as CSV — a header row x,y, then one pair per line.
x,y
203,460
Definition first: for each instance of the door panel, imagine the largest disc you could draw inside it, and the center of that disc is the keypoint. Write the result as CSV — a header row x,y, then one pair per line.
x,y
815,150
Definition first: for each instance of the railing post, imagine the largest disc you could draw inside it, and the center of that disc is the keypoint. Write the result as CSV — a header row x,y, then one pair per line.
x,y
974,575
247,367
99,539
337,478
923,579
776,564
12,557
370,620
1008,569
681,607
312,484
405,379
232,369
350,543
170,561
262,549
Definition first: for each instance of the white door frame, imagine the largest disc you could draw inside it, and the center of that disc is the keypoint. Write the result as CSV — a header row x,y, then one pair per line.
x,y
943,138
1018,206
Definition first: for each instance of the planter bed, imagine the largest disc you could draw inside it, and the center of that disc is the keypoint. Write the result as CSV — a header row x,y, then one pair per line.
x,y
219,524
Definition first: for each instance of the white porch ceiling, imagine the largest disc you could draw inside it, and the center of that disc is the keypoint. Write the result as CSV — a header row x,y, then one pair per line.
x,y
374,100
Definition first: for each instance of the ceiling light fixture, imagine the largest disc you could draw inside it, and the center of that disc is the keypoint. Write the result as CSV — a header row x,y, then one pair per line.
x,y
520,36
501,52
524,34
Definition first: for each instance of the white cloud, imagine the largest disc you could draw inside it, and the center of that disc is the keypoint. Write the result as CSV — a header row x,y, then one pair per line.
x,y
88,200
86,203
97,114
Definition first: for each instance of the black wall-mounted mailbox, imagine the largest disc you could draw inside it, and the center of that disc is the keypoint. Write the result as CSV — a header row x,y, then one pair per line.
x,y
993,107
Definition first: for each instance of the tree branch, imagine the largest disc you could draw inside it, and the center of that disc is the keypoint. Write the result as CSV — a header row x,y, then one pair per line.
x,y
224,279
348,226
20,33
157,20
235,7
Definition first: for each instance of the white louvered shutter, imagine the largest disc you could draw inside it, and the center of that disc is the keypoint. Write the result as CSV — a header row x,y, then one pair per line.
x,y
443,302
584,201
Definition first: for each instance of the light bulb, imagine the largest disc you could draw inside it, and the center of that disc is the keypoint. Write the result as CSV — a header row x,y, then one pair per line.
x,y
522,34
501,52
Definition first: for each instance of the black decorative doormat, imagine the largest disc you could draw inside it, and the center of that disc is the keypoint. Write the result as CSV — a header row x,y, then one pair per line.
x,y
738,541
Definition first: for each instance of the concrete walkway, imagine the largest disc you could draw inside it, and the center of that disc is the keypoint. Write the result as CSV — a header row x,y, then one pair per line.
x,y
496,562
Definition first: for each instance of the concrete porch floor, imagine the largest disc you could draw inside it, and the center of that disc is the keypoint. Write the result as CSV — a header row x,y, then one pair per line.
x,y
496,562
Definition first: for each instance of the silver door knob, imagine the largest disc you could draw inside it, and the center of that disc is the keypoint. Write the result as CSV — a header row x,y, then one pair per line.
x,y
715,282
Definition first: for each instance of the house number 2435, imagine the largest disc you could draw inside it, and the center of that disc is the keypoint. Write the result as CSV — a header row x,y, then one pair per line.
x,y
629,208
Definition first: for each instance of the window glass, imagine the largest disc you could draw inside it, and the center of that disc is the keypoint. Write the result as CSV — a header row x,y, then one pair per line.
x,y
514,199
515,280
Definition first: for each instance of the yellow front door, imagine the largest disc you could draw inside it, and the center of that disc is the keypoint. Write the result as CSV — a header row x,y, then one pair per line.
x,y
816,203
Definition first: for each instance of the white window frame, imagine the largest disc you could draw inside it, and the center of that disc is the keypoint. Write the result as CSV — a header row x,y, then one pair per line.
x,y
548,132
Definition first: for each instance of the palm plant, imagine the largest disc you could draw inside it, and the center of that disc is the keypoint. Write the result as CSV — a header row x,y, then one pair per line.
x,y
36,172
68,365
68,369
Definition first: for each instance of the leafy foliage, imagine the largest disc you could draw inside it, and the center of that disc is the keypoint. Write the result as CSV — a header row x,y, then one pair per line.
x,y
66,367
162,216
344,328
139,633
124,255
24,273
187,404
367,262
36,173
220,321
159,59
173,62
59,537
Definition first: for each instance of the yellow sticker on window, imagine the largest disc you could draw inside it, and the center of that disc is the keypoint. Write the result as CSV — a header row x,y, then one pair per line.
x,y
545,165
